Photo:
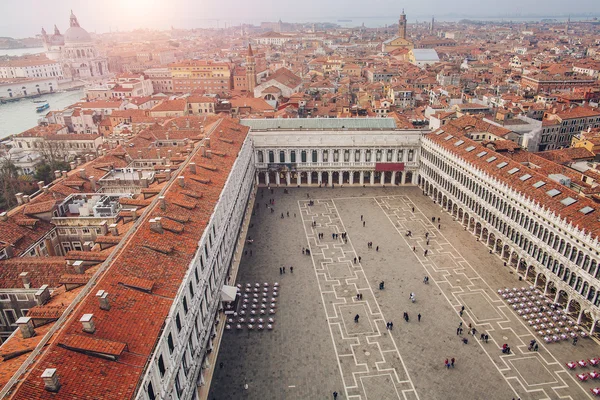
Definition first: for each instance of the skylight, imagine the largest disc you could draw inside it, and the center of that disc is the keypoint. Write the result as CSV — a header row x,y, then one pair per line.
x,y
586,210
440,132
459,143
525,177
568,201
553,192
492,158
448,137
513,171
470,148
502,164
539,184
483,153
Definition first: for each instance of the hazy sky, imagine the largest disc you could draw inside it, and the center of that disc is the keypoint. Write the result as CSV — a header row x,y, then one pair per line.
x,y
22,18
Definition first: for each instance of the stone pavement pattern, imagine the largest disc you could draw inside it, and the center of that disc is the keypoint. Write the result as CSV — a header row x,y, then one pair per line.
x,y
317,348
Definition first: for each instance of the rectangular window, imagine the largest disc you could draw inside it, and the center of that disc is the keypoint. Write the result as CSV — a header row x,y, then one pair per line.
x,y
293,156
303,156
11,316
77,246
378,155
260,157
314,156
325,156
346,155
368,156
170,343
357,156
411,154
185,306
161,366
271,157
282,156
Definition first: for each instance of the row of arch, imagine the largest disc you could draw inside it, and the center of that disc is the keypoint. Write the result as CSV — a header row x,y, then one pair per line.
x,y
555,276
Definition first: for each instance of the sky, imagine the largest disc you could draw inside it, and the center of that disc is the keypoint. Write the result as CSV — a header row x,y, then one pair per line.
x,y
25,18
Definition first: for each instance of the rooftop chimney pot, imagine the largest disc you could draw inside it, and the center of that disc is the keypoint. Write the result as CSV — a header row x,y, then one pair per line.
x,y
42,295
87,320
3,216
156,225
103,299
50,378
25,325
192,167
25,278
181,181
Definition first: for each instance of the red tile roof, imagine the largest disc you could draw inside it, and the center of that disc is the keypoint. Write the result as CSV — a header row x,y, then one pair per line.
x,y
136,317
42,271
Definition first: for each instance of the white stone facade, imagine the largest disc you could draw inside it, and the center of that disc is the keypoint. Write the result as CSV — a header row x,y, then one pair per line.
x,y
299,158
538,244
177,366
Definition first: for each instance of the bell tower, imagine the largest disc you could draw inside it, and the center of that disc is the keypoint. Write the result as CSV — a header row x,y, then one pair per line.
x,y
250,70
402,25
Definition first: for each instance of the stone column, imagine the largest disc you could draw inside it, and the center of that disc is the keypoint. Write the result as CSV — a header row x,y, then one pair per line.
x,y
351,180
329,178
404,177
557,296
288,178
309,177
277,178
414,177
580,316
298,178
372,178
341,178
593,327
362,177
382,180
267,179
393,176
546,286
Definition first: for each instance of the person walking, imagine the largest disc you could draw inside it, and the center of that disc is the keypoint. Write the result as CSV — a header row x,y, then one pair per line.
x,y
364,223
291,270
419,317
377,248
457,331
446,364
356,317
361,217
284,270
413,209
335,394
391,325
452,362
280,270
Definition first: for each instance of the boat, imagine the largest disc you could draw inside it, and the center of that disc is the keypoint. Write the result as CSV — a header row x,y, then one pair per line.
x,y
42,107
39,101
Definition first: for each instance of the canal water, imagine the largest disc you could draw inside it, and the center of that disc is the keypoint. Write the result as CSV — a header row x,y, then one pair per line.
x,y
20,115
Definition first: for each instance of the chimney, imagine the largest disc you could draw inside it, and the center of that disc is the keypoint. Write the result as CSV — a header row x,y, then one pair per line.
x,y
93,182
139,174
103,227
72,164
25,278
208,153
57,174
156,225
25,199
25,325
167,174
162,202
134,214
3,216
19,197
113,229
87,246
144,182
79,162
50,378
207,143
40,185
192,167
78,267
42,295
46,188
82,174
203,149
139,154
158,152
169,154
103,299
181,181
64,174
87,320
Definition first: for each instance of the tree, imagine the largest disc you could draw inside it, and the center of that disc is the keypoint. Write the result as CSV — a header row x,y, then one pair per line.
x,y
9,184
45,171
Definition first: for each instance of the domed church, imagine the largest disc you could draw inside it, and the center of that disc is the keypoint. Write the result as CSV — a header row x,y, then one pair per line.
x,y
76,52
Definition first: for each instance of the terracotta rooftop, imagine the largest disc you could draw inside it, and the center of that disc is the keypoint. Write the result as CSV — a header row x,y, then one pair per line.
x,y
137,317
42,271
499,167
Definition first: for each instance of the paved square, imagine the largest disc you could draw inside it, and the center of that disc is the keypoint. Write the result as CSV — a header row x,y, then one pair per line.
x,y
316,347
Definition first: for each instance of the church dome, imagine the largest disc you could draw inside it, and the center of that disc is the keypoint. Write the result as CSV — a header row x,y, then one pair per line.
x,y
77,34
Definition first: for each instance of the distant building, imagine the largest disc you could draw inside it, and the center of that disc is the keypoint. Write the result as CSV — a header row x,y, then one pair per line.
x,y
400,41
75,52
190,75
423,57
